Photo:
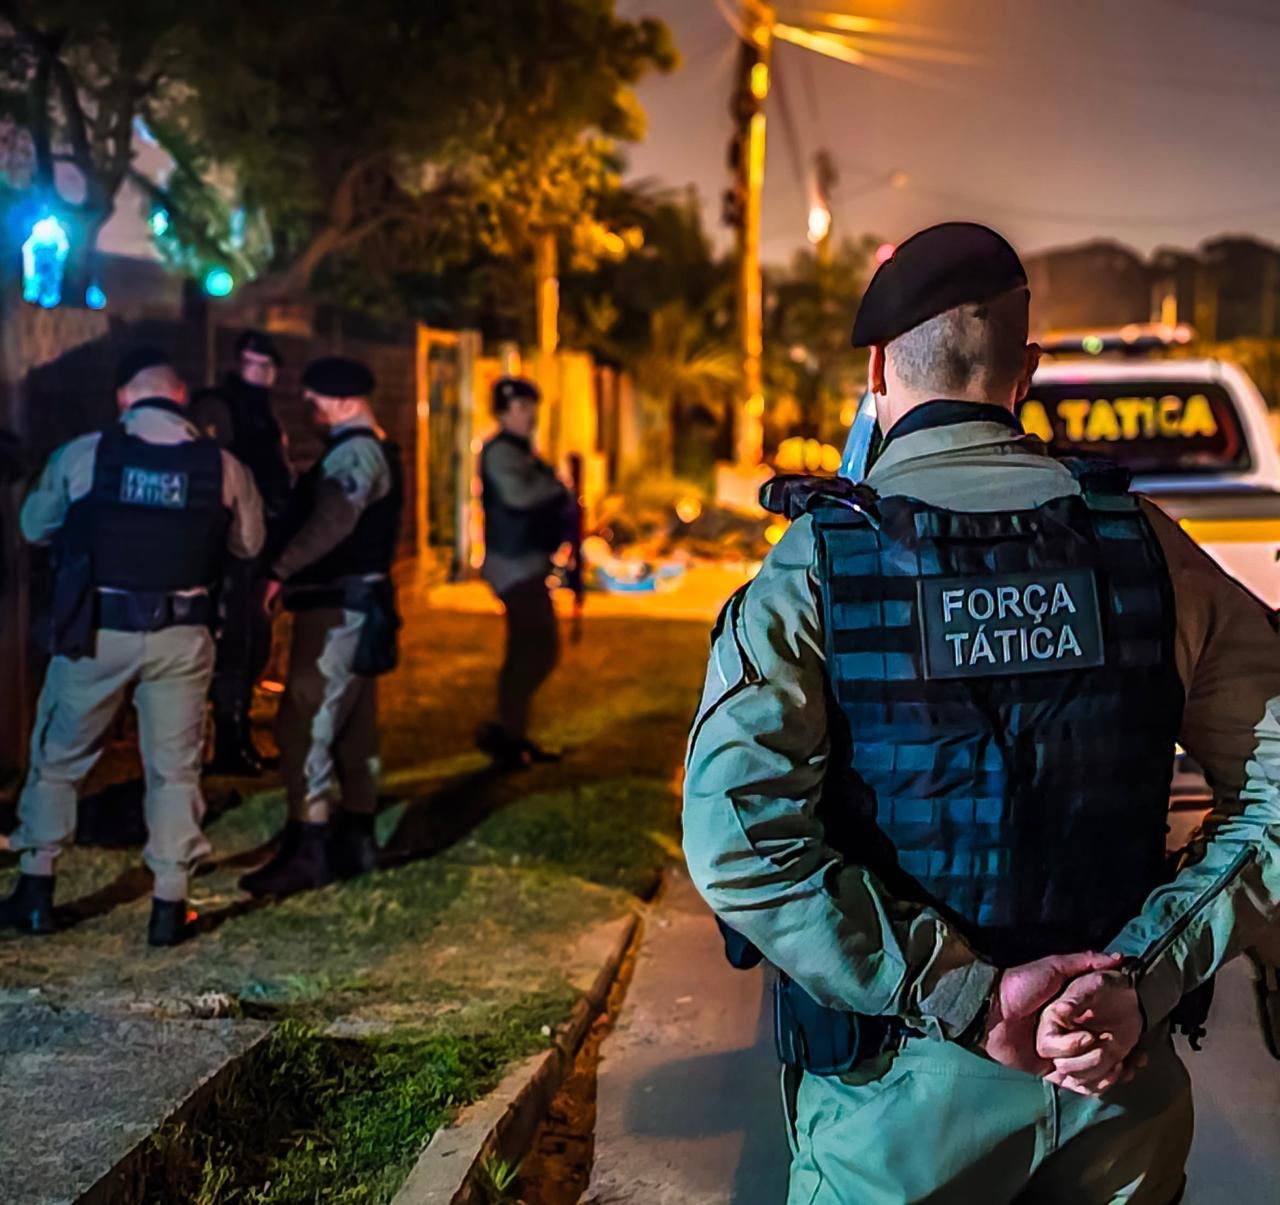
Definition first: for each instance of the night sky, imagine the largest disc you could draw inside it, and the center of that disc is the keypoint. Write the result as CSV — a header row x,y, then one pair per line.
x,y
1151,121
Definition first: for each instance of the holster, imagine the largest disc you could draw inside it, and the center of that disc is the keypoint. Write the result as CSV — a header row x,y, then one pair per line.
x,y
378,649
808,1035
72,627
1266,986
1191,1012
828,1041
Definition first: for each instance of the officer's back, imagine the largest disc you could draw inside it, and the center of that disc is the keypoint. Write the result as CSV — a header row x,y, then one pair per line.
x,y
929,780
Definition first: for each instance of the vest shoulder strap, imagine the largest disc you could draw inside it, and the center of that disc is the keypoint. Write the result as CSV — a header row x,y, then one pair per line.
x,y
794,494
1104,485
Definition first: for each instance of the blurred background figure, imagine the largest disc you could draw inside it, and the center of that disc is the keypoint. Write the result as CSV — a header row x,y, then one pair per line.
x,y
238,415
525,504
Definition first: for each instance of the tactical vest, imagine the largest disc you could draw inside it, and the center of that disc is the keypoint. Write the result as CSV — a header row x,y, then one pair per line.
x,y
1004,705
370,549
153,521
513,532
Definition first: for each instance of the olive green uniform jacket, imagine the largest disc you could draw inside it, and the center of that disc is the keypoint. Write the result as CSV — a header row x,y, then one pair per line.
x,y
758,751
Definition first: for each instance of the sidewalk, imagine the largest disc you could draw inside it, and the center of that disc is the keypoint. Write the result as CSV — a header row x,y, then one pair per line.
x,y
688,1107
688,1103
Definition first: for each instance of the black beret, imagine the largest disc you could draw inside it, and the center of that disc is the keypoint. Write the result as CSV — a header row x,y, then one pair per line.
x,y
259,342
957,263
137,360
513,389
337,376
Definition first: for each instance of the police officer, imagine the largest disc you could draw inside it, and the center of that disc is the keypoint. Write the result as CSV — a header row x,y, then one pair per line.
x,y
334,570
238,415
525,508
142,517
929,779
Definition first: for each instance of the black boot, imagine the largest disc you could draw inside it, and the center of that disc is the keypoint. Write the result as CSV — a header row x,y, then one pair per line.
x,y
233,750
540,755
29,907
171,923
353,848
507,754
298,865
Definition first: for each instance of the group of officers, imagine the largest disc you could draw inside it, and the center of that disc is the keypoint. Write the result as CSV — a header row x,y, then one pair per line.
x,y
177,534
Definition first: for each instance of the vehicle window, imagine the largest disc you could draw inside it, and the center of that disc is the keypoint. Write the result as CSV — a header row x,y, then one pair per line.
x,y
1150,427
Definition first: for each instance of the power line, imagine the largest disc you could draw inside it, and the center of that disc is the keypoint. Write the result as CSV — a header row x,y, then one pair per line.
x,y
1210,9
811,94
790,135
1076,219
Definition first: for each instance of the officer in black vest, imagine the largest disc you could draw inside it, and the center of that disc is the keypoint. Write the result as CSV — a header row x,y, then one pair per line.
x,y
333,572
929,781
142,518
238,415
525,514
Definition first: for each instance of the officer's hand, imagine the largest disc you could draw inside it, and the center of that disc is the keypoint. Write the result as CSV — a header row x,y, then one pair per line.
x,y
271,597
1019,996
1090,1031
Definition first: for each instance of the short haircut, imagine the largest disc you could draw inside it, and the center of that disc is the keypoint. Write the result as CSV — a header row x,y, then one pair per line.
x,y
159,380
260,343
969,347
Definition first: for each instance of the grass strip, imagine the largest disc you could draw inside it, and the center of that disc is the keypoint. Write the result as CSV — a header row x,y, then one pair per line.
x,y
310,1117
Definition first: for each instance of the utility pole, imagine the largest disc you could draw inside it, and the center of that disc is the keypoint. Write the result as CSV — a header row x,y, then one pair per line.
x,y
742,211
546,272
821,220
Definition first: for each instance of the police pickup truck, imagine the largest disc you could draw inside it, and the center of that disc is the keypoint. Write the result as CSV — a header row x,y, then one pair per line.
x,y
1194,433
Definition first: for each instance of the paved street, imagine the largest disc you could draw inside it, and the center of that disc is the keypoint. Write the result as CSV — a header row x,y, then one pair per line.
x,y
688,1102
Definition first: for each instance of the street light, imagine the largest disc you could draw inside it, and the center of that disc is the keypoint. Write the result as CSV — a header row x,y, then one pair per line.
x,y
218,282
44,258
819,223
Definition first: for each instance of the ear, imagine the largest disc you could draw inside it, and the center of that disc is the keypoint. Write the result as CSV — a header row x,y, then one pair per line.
x,y
122,401
1029,365
875,371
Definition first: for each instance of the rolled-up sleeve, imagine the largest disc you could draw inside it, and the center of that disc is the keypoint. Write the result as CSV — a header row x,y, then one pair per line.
x,y
753,836
1228,897
67,475
240,496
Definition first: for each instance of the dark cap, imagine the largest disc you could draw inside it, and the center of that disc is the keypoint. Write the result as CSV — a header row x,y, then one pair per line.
x,y
137,360
513,389
957,263
260,343
337,376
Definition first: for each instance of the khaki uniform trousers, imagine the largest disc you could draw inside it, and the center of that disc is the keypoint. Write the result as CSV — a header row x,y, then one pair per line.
x,y
941,1124
328,723
169,672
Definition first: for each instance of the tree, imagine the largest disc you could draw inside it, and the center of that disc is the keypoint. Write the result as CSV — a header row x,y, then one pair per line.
x,y
665,314
74,74
811,372
408,134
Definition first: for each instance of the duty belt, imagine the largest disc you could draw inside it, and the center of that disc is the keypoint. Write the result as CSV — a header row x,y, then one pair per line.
x,y
350,593
152,610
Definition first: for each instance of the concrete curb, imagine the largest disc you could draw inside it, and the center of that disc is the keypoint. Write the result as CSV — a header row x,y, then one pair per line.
x,y
502,1125
120,1182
